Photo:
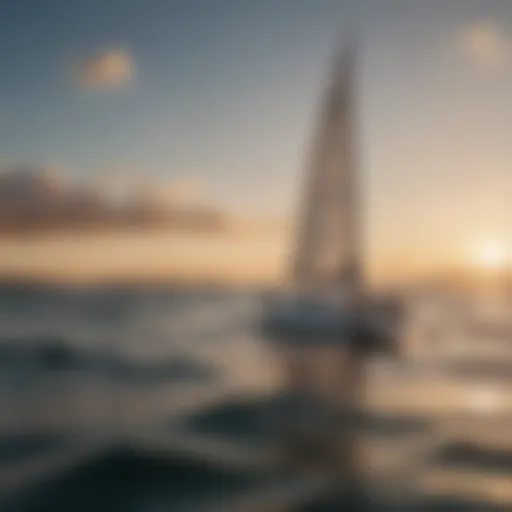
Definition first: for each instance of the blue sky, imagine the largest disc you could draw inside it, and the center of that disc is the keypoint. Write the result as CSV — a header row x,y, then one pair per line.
x,y
225,92
216,85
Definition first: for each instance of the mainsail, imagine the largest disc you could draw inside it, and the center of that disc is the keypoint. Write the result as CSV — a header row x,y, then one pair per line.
x,y
328,247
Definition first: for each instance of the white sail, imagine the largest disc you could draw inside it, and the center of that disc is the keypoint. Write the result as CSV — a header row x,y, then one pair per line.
x,y
327,252
327,296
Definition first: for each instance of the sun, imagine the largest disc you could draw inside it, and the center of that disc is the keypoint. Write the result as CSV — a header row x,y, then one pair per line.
x,y
491,255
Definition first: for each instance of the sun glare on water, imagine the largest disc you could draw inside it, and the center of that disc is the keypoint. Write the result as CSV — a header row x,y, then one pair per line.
x,y
485,400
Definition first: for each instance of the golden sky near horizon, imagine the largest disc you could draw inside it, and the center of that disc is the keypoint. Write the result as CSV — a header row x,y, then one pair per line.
x,y
159,254
247,252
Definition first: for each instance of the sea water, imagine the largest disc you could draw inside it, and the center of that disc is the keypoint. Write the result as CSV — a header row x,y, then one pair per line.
x,y
96,370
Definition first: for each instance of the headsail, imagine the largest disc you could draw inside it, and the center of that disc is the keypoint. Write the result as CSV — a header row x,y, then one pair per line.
x,y
328,247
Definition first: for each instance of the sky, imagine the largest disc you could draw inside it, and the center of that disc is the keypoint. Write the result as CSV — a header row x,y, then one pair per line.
x,y
223,95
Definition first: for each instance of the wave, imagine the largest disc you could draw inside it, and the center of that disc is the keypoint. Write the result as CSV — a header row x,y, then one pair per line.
x,y
55,354
129,479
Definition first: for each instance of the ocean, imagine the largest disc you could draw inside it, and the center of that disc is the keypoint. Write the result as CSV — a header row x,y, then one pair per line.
x,y
94,367
67,349
95,382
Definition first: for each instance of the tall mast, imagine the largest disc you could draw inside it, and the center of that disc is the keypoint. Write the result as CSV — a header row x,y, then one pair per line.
x,y
328,246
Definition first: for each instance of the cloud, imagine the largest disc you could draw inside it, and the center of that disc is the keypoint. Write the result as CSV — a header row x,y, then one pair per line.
x,y
121,184
486,45
109,69
39,199
187,192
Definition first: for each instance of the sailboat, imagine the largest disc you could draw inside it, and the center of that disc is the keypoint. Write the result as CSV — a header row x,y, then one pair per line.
x,y
324,298
323,325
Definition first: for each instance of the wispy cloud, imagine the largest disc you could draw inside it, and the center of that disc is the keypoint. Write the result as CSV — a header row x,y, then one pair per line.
x,y
187,192
108,69
179,193
485,44
38,199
